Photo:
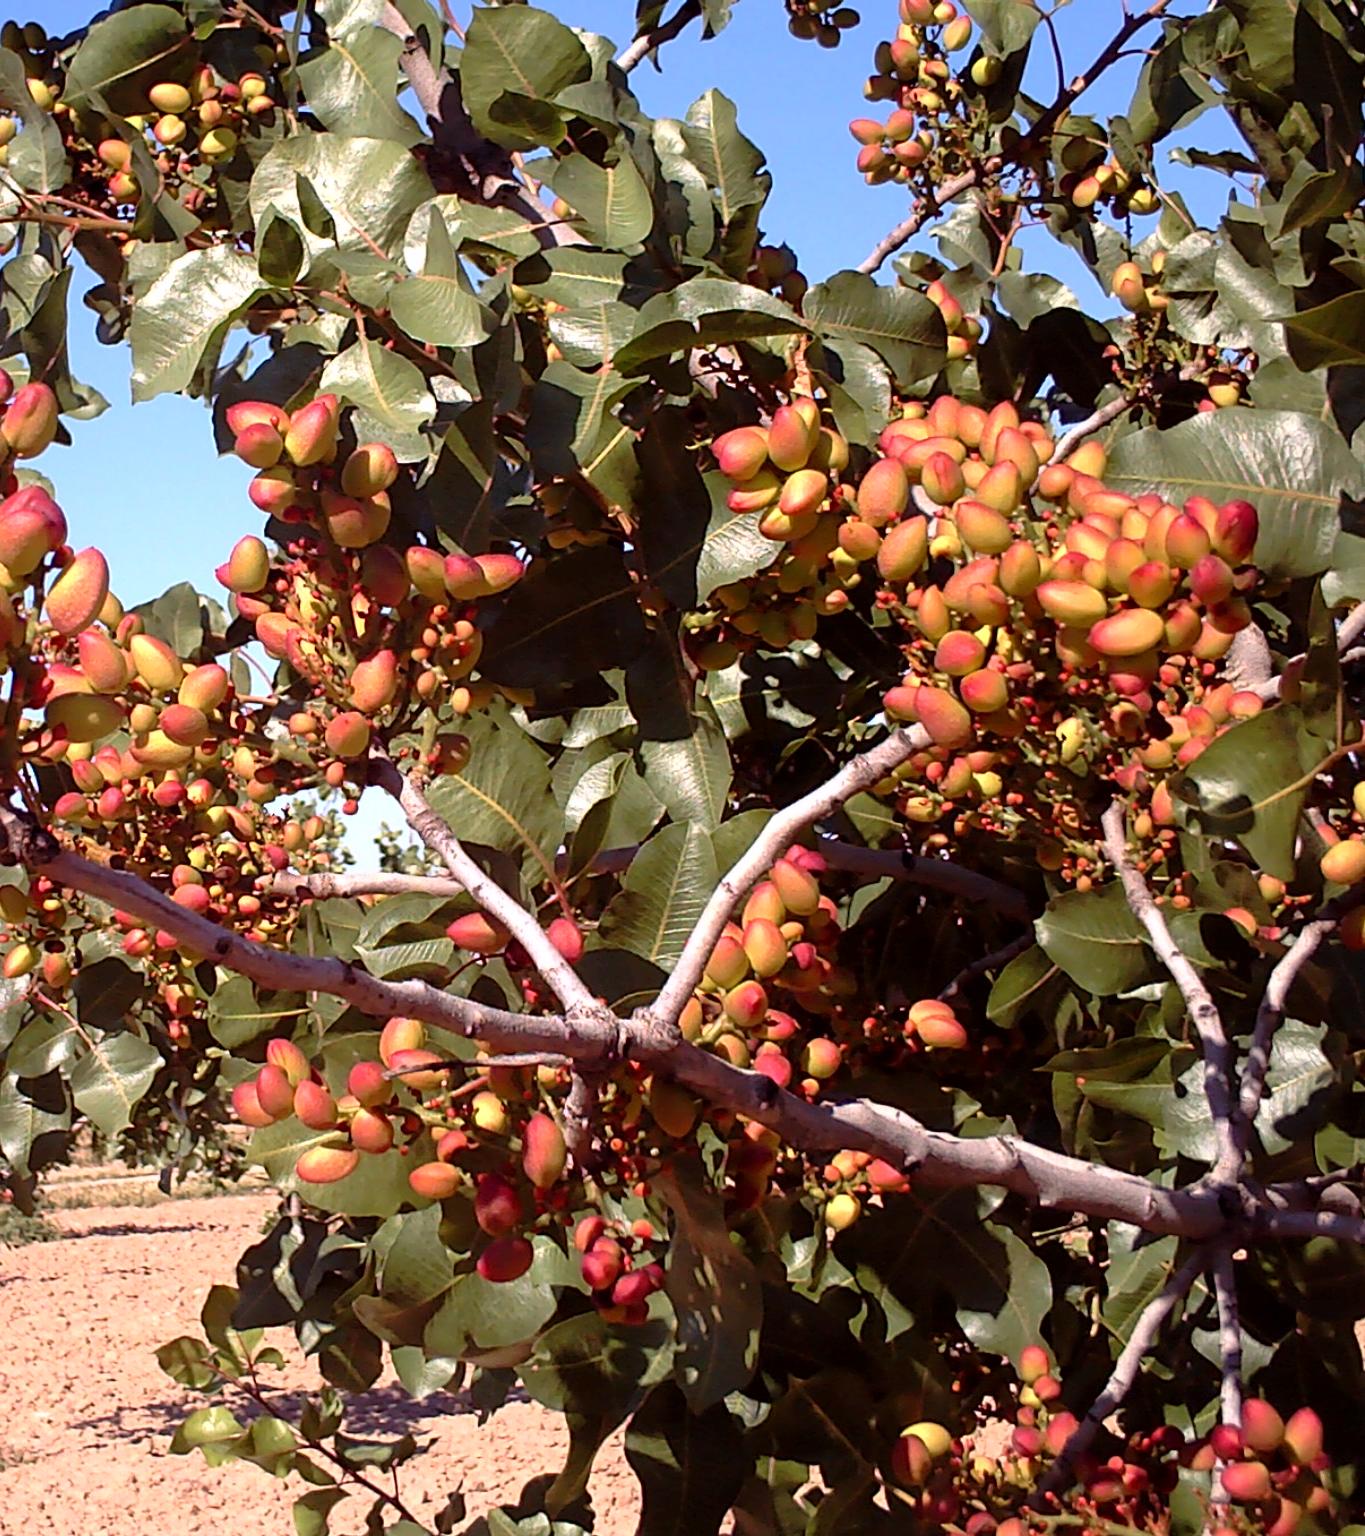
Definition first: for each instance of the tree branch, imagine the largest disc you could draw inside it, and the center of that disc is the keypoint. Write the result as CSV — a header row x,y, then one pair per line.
x,y
665,32
1229,1334
860,773
285,972
919,869
486,168
1124,1374
1203,1011
591,1041
559,975
1271,1011
948,190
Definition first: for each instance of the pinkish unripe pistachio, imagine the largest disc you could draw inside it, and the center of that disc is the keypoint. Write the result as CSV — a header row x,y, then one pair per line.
x,y
567,938
1073,603
311,437
31,527
104,664
984,692
434,1181
741,453
248,1108
883,493
1247,1482
347,735
946,719
803,492
426,569
29,423
356,523
383,575
289,1059
482,935
374,682
497,1205
326,1165
259,445
369,469
274,1091
1303,1436
792,435
464,577
1132,632
315,1106
745,1005
1235,531
500,571
250,413
544,1153
1211,580
204,687
505,1259
904,549
755,494
1187,541
76,597
155,663
184,725
371,1131
273,491
83,716
1262,1427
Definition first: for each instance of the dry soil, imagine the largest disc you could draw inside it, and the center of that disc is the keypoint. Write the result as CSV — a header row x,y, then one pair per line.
x,y
88,1415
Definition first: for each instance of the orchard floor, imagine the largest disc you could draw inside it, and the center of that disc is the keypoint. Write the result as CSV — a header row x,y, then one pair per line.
x,y
88,1414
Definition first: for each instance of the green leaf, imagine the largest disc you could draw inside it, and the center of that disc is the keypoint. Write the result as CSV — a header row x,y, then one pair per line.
x,y
595,1375
714,1289
367,188
393,390
732,166
1300,1081
569,618
438,305
30,1115
1022,987
903,327
517,52
352,85
691,773
479,1314
707,311
109,1080
665,889
686,1463
37,160
378,1187
179,323
1250,784
312,1510
612,202
502,798
1006,25
1328,334
105,991
1294,469
939,1244
1096,940
121,57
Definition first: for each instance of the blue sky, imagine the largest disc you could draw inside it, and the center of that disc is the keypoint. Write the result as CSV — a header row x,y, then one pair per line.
x,y
145,485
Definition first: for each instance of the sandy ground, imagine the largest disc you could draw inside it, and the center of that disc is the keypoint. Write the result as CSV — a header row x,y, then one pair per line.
x,y
88,1414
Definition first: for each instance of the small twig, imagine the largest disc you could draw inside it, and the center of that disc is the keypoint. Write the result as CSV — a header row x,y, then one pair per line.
x,y
858,774
1121,1379
1203,1011
665,32
1001,956
559,975
580,1115
946,191
1272,1007
483,1063
1229,1334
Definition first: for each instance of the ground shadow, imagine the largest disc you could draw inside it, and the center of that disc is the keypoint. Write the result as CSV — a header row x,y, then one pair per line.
x,y
131,1229
385,1411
